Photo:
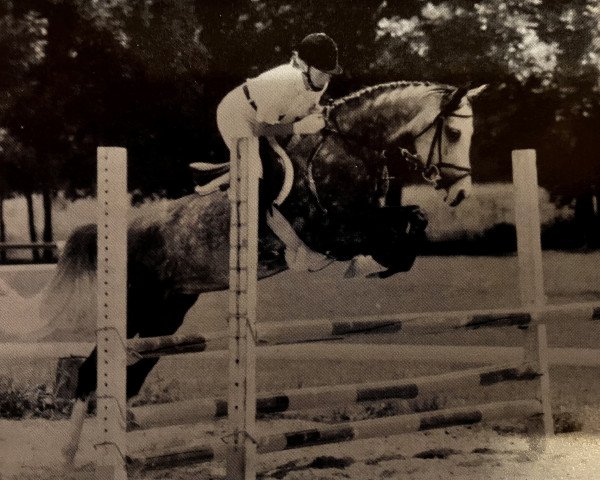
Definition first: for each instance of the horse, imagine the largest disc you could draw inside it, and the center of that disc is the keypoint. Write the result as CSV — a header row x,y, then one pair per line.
x,y
338,205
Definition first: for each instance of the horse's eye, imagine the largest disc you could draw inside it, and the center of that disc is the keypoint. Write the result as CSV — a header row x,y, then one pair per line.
x,y
452,133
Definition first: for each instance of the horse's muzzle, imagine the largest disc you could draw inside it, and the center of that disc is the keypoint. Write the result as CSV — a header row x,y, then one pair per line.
x,y
458,191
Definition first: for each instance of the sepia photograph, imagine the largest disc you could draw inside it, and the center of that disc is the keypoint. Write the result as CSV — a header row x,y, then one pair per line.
x,y
293,240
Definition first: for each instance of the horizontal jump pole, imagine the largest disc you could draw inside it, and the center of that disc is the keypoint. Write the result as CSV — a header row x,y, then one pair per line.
x,y
360,430
206,409
154,347
319,330
274,334
473,319
421,323
397,425
472,354
297,331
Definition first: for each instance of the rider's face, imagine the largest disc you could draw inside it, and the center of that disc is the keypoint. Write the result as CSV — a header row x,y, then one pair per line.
x,y
318,77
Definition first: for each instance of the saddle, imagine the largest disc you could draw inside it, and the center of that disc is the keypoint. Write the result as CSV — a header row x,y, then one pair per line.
x,y
210,177
278,173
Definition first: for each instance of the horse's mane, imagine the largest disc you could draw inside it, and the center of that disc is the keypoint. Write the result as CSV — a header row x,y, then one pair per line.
x,y
368,93
371,112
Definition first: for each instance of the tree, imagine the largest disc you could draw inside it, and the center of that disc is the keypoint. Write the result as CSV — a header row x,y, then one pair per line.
x,y
148,75
20,44
16,163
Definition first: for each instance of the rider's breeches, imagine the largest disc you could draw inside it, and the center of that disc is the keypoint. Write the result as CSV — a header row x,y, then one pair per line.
x,y
234,120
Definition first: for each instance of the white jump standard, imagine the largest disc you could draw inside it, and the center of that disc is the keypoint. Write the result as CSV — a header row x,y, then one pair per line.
x,y
111,413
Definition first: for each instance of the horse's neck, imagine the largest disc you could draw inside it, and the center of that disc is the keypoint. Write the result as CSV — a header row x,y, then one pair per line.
x,y
372,127
380,121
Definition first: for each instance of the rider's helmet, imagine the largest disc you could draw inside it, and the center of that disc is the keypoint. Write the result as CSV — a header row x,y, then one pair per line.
x,y
318,50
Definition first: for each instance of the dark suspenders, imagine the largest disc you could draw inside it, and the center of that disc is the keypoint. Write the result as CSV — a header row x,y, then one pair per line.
x,y
248,97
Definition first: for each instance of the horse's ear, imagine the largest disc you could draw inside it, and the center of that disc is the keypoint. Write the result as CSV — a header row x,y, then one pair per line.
x,y
453,101
474,92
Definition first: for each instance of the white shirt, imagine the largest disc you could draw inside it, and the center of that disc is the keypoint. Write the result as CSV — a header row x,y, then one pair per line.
x,y
281,96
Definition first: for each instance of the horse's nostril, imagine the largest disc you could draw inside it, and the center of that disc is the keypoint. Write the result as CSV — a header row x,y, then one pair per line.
x,y
460,196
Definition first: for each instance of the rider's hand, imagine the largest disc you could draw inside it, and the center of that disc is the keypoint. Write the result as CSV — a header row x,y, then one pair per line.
x,y
317,108
313,123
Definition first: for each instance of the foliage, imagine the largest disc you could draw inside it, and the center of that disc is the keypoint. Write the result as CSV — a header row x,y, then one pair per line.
x,y
19,403
148,74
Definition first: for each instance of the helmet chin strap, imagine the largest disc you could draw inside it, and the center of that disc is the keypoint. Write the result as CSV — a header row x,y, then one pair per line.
x,y
311,84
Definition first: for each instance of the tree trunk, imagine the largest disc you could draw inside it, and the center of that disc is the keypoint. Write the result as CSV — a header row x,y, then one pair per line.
x,y
595,227
31,223
48,235
2,228
584,217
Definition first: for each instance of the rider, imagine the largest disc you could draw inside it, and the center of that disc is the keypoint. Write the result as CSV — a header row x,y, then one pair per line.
x,y
279,102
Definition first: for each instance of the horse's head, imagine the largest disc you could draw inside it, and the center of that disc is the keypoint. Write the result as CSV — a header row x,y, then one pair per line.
x,y
428,125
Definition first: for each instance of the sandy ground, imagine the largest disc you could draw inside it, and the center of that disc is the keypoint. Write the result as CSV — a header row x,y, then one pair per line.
x,y
31,450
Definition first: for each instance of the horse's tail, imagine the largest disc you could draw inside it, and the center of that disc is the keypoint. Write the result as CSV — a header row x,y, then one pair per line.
x,y
68,303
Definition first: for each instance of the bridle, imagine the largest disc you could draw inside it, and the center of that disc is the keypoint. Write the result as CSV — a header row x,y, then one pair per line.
x,y
430,170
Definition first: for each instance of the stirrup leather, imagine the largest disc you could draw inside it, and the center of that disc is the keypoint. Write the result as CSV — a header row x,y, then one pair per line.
x,y
288,171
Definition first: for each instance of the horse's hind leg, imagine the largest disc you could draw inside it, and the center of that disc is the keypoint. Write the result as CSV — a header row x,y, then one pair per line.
x,y
86,384
146,319
155,321
149,322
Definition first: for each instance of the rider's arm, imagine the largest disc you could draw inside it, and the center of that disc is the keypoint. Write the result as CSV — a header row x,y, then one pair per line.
x,y
312,123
